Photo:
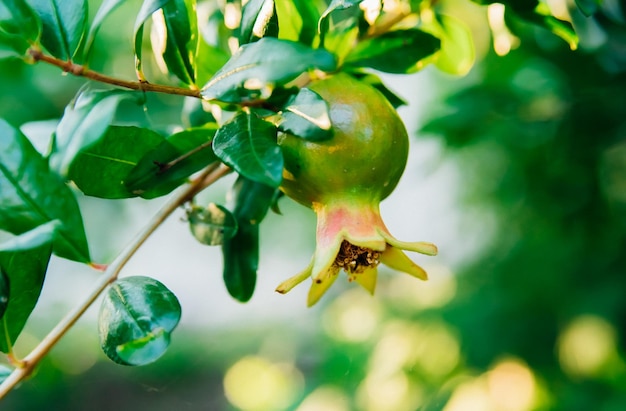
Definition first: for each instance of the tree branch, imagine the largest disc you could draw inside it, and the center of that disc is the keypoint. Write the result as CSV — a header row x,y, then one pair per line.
x,y
210,175
82,71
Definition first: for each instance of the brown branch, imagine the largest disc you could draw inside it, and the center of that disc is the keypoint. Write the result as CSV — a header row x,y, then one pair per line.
x,y
82,71
210,175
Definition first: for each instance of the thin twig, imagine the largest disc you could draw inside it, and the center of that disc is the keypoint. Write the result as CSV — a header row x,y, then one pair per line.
x,y
82,71
210,175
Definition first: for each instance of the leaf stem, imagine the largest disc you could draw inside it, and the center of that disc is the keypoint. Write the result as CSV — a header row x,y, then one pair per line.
x,y
210,175
82,71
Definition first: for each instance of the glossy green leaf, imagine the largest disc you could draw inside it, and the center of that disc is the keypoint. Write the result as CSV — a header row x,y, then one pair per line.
x,y
64,24
101,169
211,225
241,253
136,318
588,7
297,20
251,201
306,115
170,163
37,237
257,67
323,23
105,9
5,292
84,122
375,81
176,38
19,28
258,20
26,271
399,51
31,195
457,55
248,145
148,8
539,14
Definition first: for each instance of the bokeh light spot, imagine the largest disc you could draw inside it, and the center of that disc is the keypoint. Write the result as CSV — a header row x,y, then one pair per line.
x,y
353,317
256,384
326,398
586,346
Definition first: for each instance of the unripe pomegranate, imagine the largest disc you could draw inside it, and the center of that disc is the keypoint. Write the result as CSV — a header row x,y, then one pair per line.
x,y
343,179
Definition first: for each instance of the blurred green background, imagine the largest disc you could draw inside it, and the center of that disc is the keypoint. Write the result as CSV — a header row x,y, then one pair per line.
x,y
518,173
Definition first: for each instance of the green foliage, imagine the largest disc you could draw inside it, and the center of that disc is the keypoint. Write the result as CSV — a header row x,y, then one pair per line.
x,y
20,26
168,164
136,319
306,115
399,51
247,143
103,169
33,195
84,122
252,200
212,225
63,25
25,272
5,293
258,67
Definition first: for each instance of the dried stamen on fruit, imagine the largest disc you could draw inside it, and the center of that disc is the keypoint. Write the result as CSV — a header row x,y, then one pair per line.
x,y
354,259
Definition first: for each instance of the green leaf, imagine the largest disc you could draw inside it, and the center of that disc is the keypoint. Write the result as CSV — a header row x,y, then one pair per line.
x,y
169,164
248,145
37,237
541,17
375,81
252,200
306,115
298,20
83,123
211,225
399,51
19,28
5,292
588,7
323,23
241,253
26,271
177,34
31,196
136,318
258,20
148,8
259,66
101,169
105,9
457,53
64,24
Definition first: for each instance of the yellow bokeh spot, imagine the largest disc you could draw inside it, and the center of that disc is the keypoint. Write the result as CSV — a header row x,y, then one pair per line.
x,y
587,346
256,384
325,398
406,293
509,386
389,393
353,317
